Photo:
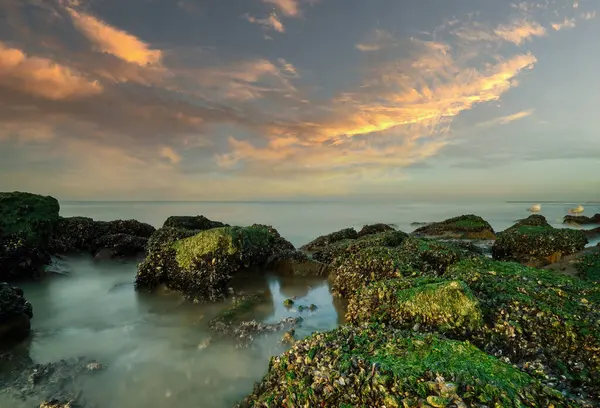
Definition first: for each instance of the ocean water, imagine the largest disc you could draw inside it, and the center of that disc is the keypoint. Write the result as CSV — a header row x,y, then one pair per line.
x,y
151,345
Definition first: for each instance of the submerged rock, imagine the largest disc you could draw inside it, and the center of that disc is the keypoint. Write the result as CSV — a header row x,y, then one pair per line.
x,y
448,306
15,315
201,266
537,245
463,227
581,219
374,367
26,223
198,222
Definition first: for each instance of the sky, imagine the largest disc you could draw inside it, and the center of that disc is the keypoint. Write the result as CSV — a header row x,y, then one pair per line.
x,y
295,99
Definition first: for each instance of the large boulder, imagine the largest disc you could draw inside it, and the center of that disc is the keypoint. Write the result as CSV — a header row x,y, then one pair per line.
x,y
15,314
83,234
26,223
446,306
537,245
373,367
201,265
197,222
463,227
534,220
581,219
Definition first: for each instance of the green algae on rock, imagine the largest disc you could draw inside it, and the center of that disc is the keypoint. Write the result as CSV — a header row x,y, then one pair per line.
x,y
588,266
545,322
534,220
537,245
372,367
464,227
374,229
581,219
201,265
26,223
324,240
447,306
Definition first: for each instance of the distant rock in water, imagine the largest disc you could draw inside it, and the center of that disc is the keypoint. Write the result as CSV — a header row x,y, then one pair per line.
x,y
581,219
464,227
26,223
534,242
15,314
198,222
324,240
112,238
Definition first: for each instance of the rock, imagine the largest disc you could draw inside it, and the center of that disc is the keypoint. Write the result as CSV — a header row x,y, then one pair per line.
x,y
537,245
374,229
201,266
447,306
588,265
296,263
592,233
83,234
325,240
118,246
56,403
463,227
581,219
198,222
288,303
534,220
242,306
26,223
15,314
373,367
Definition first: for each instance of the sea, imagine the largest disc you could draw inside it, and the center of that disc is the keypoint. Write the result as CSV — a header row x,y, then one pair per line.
x,y
153,346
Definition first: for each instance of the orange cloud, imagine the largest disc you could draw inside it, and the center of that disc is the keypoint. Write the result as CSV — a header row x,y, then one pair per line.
x,y
271,22
378,40
503,120
289,8
42,77
520,31
170,154
566,23
114,41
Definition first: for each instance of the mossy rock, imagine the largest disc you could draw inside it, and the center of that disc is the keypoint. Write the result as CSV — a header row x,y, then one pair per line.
x,y
26,223
537,245
534,220
464,227
371,229
427,255
197,222
581,219
201,265
447,306
536,315
588,266
371,367
325,240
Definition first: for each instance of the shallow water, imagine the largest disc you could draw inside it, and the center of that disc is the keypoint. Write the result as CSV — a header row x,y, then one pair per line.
x,y
150,343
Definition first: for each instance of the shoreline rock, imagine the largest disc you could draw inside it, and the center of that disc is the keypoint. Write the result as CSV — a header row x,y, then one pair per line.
x,y
15,315
468,226
581,219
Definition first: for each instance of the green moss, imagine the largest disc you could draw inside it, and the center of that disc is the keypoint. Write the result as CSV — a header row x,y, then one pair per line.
x,y
375,367
589,266
444,306
227,241
30,216
288,303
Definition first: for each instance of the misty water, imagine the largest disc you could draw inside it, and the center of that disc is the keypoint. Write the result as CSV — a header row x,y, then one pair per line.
x,y
152,345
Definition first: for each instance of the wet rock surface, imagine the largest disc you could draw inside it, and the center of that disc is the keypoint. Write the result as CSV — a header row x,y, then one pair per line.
x,y
537,245
15,315
119,246
463,227
197,223
296,263
581,219
374,367
26,223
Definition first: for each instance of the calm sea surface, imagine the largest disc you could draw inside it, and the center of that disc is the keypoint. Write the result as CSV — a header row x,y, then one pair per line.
x,y
150,344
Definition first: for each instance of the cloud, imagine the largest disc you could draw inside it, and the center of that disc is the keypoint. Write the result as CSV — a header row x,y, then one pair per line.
x,y
378,40
520,31
589,15
271,22
170,154
289,8
504,120
42,77
566,23
114,41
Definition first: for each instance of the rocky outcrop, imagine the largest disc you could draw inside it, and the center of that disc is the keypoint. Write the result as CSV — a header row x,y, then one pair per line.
x,y
537,245
109,238
581,219
201,264
374,229
463,227
26,223
15,315
329,239
198,222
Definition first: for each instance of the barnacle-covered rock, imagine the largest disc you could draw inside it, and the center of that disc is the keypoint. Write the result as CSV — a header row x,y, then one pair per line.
x,y
371,367
118,246
201,266
371,229
581,219
538,319
197,222
26,223
427,255
325,240
537,245
464,227
83,234
534,220
447,306
15,314
588,265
